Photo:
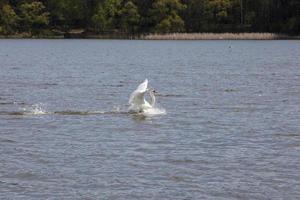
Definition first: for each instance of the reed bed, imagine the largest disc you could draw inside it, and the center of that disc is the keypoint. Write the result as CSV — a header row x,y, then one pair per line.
x,y
217,36
169,36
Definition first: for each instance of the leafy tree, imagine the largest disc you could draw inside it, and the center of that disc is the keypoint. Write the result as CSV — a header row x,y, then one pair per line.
x,y
144,16
105,18
9,19
33,16
294,16
193,15
170,24
165,14
100,20
67,14
217,15
219,9
129,17
144,8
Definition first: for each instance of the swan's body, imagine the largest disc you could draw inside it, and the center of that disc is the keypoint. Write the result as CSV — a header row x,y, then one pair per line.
x,y
137,99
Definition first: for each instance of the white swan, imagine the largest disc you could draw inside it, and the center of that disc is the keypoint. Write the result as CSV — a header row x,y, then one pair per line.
x,y
137,99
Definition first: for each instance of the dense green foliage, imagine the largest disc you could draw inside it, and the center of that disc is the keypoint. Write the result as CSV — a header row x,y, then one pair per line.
x,y
148,16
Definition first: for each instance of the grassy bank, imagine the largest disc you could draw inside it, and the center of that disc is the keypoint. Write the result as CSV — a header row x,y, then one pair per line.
x,y
28,36
170,36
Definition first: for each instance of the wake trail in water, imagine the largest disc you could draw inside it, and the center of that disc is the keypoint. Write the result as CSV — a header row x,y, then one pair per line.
x,y
39,109
73,112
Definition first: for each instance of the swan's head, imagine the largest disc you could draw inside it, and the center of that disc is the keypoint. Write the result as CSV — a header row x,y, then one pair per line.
x,y
152,91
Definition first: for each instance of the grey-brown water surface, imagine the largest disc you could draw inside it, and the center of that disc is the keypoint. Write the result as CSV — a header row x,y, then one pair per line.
x,y
232,128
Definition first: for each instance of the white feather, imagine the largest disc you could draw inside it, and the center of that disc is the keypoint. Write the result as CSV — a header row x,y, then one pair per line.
x,y
137,98
139,105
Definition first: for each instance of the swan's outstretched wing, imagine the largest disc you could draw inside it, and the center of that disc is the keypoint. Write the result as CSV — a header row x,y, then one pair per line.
x,y
137,97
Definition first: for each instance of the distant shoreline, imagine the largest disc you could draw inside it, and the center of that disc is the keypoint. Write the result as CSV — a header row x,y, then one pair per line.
x,y
220,36
169,36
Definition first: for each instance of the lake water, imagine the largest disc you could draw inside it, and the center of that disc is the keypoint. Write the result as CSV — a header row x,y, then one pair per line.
x,y
231,131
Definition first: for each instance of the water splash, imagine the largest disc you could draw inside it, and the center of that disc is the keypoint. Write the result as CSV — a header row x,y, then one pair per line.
x,y
74,112
154,111
35,109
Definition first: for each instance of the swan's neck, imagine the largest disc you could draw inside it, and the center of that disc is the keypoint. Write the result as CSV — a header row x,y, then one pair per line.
x,y
152,98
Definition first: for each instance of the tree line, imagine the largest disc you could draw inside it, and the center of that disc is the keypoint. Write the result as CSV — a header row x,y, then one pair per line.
x,y
148,16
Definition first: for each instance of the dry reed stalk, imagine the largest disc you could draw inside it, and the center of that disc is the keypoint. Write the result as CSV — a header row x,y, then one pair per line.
x,y
215,36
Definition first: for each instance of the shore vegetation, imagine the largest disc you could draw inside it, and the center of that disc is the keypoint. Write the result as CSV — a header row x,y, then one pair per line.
x,y
145,19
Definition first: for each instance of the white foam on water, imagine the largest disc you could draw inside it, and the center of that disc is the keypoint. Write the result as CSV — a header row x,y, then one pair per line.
x,y
35,109
116,109
154,111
